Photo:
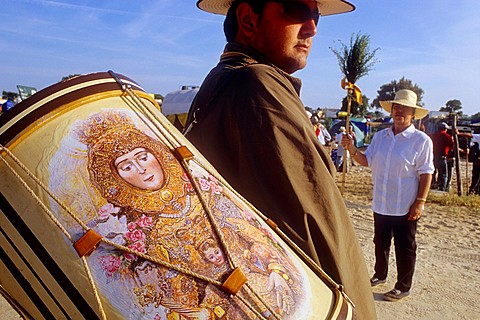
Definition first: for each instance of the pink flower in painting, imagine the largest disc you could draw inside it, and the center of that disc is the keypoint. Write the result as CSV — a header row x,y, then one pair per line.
x,y
157,317
107,210
138,246
215,187
135,235
188,185
189,188
130,256
131,226
204,184
144,222
110,264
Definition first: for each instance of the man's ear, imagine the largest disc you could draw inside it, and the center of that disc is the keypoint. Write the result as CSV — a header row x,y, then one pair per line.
x,y
247,19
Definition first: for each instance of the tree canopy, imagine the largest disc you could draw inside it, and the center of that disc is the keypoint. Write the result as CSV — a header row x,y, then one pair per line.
x,y
454,105
356,109
475,117
388,91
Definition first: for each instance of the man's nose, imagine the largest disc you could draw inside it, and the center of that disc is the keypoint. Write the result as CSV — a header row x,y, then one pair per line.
x,y
309,28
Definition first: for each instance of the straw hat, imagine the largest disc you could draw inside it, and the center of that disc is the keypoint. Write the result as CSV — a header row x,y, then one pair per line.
x,y
406,98
325,7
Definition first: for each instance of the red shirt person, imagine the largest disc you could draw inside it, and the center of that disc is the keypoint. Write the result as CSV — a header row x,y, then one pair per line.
x,y
442,144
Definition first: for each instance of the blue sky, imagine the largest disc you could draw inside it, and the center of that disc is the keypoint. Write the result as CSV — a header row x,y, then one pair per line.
x,y
164,44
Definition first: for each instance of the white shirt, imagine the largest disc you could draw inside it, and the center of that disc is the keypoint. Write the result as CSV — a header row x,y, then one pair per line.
x,y
397,161
324,135
338,139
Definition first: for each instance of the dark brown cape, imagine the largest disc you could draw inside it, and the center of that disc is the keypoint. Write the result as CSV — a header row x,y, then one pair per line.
x,y
253,128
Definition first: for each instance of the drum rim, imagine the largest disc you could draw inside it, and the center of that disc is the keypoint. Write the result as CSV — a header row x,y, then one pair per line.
x,y
31,109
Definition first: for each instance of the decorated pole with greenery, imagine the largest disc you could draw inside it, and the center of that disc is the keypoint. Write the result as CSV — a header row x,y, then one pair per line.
x,y
355,62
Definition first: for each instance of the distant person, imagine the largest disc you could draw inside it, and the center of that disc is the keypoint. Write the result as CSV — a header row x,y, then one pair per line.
x,y
401,159
248,120
352,133
451,158
321,132
7,105
442,144
340,149
474,158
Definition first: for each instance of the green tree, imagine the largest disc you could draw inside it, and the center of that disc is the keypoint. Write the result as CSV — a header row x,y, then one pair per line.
x,y
388,91
475,117
356,109
452,106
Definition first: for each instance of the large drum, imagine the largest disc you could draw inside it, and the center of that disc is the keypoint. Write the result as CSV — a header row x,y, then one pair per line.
x,y
108,212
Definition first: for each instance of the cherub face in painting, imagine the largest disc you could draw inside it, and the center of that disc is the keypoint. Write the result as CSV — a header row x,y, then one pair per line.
x,y
141,169
214,255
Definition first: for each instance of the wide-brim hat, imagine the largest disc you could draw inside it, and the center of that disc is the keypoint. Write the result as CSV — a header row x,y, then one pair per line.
x,y
406,98
325,7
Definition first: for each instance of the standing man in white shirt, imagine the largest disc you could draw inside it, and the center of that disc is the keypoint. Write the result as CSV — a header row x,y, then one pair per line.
x,y
401,159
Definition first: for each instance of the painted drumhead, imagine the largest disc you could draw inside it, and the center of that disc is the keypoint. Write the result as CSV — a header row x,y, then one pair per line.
x,y
99,155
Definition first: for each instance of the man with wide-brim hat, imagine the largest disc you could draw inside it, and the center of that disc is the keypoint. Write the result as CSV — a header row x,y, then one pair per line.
x,y
248,120
401,159
325,7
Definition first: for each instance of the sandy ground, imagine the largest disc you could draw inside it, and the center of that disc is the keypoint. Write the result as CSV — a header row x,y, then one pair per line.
x,y
447,278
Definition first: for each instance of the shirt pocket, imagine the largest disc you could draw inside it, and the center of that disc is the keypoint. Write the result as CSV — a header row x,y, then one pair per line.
x,y
406,161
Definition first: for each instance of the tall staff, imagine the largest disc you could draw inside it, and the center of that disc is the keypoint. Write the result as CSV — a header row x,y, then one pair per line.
x,y
353,92
456,151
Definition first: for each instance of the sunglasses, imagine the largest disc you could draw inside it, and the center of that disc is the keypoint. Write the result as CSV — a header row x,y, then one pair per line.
x,y
298,11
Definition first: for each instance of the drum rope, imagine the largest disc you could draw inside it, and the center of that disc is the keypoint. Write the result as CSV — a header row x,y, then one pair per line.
x,y
175,144
29,190
309,261
106,241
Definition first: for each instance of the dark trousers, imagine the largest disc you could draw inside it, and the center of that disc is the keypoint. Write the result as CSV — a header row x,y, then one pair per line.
x,y
475,186
403,232
450,164
440,173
